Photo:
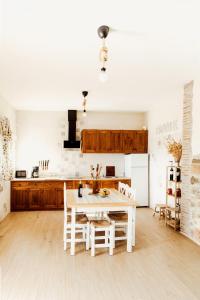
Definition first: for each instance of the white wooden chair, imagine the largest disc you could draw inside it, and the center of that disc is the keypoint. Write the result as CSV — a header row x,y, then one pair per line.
x,y
120,220
122,187
102,226
82,225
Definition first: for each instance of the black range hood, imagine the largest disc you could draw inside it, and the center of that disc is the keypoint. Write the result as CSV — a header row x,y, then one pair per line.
x,y
72,142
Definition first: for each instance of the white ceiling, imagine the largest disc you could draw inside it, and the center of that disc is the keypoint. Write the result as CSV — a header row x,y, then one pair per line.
x,y
50,51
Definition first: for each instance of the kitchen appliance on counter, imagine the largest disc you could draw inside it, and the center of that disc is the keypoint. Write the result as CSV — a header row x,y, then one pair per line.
x,y
137,168
110,171
35,172
20,174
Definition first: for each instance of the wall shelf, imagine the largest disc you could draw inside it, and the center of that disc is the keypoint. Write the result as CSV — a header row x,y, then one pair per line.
x,y
173,209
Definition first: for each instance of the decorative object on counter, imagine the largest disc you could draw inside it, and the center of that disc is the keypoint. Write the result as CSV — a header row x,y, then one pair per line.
x,y
175,149
5,143
84,93
35,172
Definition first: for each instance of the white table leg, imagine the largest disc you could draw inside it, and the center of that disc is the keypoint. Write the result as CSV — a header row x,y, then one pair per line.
x,y
130,229
73,224
134,222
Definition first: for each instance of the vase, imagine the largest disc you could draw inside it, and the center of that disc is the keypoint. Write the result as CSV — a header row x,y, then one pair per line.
x,y
95,187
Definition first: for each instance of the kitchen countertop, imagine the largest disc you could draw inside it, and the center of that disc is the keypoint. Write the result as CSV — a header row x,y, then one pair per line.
x,y
67,178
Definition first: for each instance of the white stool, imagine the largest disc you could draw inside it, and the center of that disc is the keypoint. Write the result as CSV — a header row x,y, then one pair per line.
x,y
99,226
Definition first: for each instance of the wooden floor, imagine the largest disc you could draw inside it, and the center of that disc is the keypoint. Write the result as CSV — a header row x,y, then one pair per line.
x,y
164,264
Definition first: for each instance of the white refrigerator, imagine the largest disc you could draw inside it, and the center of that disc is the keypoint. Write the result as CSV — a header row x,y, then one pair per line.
x,y
137,168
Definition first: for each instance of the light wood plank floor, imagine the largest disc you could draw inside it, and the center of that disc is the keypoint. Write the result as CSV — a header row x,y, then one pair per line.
x,y
164,264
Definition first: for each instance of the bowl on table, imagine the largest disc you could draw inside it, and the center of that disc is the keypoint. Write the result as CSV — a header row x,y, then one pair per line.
x,y
104,193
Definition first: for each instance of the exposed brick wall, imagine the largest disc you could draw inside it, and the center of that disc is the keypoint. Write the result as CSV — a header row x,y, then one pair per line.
x,y
190,206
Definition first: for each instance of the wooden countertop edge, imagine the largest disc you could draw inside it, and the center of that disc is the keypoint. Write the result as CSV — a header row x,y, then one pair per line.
x,y
67,179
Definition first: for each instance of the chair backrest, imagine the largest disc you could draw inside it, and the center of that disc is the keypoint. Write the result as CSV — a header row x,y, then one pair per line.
x,y
131,193
122,188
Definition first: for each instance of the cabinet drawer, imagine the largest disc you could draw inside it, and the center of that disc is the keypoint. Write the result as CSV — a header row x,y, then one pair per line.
x,y
70,184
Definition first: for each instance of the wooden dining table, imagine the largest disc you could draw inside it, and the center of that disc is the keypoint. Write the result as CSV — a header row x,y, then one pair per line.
x,y
94,203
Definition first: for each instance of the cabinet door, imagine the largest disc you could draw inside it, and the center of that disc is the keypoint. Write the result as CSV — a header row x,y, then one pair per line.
x,y
142,141
19,199
109,184
129,141
116,145
35,199
89,141
103,142
49,199
59,194
70,184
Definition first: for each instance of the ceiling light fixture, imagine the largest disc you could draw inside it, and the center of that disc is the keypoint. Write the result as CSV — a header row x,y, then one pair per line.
x,y
103,33
84,93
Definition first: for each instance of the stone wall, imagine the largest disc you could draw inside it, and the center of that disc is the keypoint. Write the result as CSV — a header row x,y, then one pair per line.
x,y
190,220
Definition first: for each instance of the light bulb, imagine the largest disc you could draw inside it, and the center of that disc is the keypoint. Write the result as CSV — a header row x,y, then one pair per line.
x,y
103,76
84,113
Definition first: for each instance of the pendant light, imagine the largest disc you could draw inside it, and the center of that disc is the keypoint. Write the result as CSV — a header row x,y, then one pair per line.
x,y
84,93
103,33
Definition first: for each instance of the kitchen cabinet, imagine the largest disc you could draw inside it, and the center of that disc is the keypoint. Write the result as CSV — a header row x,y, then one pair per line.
x,y
48,194
49,200
130,141
110,184
103,141
89,140
59,196
34,196
19,199
114,141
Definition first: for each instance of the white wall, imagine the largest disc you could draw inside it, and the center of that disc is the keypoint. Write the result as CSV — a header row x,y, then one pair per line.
x,y
163,120
40,136
7,111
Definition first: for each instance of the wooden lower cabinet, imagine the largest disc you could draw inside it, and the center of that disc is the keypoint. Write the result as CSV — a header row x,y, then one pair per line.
x,y
48,195
49,199
59,196
19,199
34,198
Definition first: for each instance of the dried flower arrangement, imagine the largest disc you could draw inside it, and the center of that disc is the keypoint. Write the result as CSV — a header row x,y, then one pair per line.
x,y
6,138
95,172
175,149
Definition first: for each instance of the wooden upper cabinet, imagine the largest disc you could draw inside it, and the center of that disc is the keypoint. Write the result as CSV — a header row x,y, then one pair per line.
x,y
114,141
129,141
103,141
142,141
89,141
